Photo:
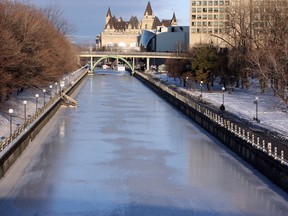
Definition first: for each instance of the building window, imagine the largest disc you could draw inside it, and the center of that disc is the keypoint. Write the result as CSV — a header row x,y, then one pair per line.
x,y
221,16
193,3
198,23
209,30
198,30
204,23
204,30
204,17
205,3
199,10
221,10
210,3
215,10
216,16
216,31
210,16
193,24
199,3
227,3
210,10
199,16
216,23
204,10
193,30
215,3
209,23
193,16
193,10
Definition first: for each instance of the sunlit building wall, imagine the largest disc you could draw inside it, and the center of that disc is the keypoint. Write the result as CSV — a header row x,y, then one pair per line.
x,y
207,20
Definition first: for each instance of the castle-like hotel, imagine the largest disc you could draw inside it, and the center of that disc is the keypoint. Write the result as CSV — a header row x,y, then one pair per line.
x,y
120,33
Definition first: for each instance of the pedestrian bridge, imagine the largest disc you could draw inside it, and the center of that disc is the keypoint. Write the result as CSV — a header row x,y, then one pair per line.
x,y
128,57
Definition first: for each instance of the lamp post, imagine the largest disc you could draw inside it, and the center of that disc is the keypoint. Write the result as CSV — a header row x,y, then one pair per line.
x,y
222,107
201,85
25,104
62,84
223,91
44,93
56,84
50,91
10,114
256,103
37,96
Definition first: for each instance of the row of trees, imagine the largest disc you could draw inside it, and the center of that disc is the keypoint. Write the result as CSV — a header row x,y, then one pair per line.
x,y
256,38
34,47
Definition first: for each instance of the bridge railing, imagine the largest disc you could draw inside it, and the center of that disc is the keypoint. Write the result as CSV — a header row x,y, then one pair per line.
x,y
132,53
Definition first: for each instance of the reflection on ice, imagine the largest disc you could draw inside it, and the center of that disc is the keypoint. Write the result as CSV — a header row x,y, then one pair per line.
x,y
111,72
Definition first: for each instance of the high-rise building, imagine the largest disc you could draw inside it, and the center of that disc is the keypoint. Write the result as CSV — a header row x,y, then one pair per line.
x,y
207,18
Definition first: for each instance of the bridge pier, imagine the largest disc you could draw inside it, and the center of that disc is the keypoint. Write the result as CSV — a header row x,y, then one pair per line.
x,y
147,64
133,65
91,62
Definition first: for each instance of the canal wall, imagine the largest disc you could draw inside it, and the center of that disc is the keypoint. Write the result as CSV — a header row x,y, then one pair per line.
x,y
13,146
261,155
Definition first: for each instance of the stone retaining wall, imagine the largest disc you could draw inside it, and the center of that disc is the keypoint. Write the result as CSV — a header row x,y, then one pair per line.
x,y
263,158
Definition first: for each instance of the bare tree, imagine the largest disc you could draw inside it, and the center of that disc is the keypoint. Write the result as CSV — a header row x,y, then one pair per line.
x,y
31,48
55,15
270,58
256,33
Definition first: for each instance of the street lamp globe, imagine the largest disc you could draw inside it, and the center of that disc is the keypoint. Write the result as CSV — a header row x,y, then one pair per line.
x,y
10,111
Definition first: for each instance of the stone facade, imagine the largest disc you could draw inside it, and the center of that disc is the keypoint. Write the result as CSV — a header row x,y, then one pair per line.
x,y
126,34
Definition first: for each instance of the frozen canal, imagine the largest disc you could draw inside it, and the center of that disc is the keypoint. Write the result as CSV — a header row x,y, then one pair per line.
x,y
124,151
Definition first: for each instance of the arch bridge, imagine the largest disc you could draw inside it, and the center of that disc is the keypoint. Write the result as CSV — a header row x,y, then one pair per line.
x,y
97,57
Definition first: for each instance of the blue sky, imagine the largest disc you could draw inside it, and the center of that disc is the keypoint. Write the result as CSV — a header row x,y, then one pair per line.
x,y
88,16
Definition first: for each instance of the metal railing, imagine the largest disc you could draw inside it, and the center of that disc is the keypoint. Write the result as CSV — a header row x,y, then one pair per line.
x,y
21,130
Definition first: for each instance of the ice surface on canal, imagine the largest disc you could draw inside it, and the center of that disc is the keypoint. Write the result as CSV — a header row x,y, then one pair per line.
x,y
125,151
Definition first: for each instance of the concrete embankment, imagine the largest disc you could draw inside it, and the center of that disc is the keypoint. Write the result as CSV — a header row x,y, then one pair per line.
x,y
266,157
13,146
